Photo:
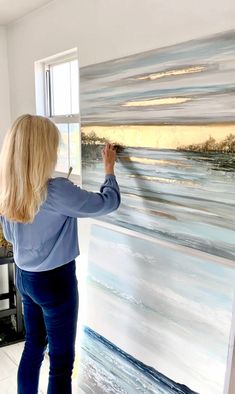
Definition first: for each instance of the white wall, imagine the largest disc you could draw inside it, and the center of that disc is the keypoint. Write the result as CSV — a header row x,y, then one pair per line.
x,y
4,85
103,30
4,124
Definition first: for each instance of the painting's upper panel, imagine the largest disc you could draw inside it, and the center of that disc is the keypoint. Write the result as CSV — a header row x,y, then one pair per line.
x,y
188,83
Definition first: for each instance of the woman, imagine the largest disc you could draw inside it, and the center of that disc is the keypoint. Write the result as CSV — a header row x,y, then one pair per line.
x,y
39,217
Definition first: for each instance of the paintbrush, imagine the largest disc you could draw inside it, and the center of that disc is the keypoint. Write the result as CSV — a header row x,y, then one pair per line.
x,y
70,170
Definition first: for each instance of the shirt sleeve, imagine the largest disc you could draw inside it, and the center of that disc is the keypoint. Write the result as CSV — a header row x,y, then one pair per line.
x,y
71,200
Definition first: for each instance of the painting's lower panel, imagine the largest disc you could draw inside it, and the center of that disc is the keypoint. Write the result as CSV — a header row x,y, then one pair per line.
x,y
166,305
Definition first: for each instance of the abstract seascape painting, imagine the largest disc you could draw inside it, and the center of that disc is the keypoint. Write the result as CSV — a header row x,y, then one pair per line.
x,y
160,279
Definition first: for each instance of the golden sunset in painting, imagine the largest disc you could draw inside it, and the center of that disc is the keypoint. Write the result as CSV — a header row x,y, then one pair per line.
x,y
161,136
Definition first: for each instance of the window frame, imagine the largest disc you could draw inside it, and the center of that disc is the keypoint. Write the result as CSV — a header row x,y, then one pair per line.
x,y
61,119
48,90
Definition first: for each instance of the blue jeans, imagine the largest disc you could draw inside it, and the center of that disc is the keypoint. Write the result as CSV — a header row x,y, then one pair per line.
x,y
50,300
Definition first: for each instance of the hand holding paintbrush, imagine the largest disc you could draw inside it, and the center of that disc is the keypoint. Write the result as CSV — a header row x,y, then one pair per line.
x,y
109,158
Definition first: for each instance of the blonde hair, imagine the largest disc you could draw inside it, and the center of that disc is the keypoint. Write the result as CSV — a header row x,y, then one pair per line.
x,y
28,158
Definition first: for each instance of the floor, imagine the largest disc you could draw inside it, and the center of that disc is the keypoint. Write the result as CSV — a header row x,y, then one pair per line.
x,y
9,360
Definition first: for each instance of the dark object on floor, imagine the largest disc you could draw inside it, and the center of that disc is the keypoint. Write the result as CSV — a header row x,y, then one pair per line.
x,y
8,333
11,318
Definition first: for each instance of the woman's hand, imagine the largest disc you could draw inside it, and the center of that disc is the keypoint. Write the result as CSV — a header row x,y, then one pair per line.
x,y
109,157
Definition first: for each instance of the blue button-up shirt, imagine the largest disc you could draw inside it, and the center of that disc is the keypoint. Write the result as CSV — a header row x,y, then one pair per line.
x,y
51,240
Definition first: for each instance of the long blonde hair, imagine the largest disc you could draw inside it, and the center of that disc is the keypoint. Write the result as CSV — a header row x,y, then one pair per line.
x,y
27,160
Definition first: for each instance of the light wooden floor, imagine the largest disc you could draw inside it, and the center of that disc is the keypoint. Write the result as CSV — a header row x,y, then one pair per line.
x,y
9,360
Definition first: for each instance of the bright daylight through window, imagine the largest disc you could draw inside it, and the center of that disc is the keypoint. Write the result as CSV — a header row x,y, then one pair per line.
x,y
62,103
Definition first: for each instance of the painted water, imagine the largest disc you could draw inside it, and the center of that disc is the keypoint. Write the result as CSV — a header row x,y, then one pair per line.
x,y
105,368
184,197
164,278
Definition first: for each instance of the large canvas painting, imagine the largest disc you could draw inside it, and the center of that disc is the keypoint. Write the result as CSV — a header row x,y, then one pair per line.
x,y
161,269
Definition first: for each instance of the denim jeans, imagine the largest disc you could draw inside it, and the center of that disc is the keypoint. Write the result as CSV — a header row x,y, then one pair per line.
x,y
50,300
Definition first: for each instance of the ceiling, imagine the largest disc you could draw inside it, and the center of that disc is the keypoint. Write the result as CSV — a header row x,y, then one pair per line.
x,y
11,10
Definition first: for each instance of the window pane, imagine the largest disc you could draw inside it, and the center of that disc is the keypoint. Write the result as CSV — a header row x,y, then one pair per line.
x,y
64,88
63,153
74,87
60,86
75,143
69,150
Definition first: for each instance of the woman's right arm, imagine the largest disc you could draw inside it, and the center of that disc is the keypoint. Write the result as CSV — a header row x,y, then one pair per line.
x,y
71,200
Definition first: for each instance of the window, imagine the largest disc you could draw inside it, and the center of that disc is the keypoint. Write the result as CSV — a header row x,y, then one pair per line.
x,y
61,105
62,89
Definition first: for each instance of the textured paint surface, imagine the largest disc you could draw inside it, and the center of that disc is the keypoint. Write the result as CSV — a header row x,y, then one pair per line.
x,y
161,269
